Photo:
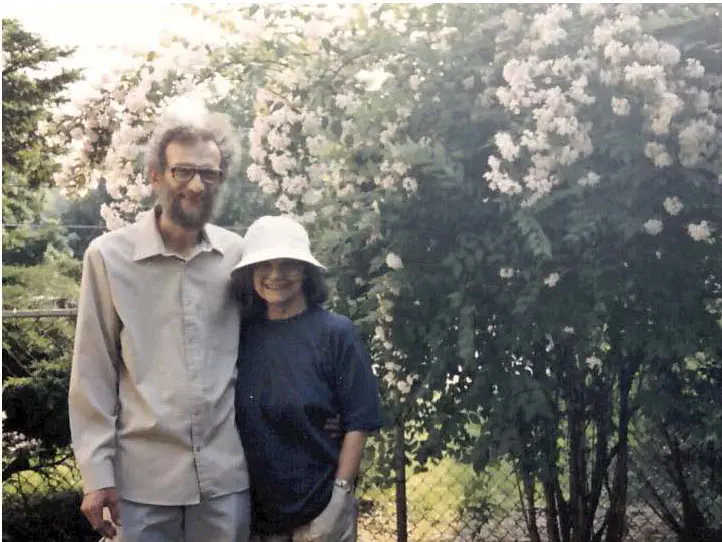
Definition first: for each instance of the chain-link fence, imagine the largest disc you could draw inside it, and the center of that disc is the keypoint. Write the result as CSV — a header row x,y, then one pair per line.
x,y
448,502
674,484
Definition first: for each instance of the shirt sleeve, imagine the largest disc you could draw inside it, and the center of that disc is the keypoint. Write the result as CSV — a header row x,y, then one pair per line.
x,y
356,386
93,393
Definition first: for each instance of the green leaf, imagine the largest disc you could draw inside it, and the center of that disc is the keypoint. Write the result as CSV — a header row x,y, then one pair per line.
x,y
537,239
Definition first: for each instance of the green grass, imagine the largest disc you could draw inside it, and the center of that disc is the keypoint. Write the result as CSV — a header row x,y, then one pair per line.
x,y
435,498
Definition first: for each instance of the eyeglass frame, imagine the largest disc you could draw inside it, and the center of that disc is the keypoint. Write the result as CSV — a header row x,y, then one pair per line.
x,y
196,170
284,267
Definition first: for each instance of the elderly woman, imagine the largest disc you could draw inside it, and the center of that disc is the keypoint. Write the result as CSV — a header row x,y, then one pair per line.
x,y
299,366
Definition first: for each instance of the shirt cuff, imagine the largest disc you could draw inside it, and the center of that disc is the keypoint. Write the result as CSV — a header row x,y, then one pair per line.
x,y
97,476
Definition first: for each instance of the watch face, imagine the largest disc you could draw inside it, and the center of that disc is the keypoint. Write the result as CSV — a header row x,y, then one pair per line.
x,y
343,484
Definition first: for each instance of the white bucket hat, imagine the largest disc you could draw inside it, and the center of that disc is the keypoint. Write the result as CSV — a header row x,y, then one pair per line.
x,y
276,237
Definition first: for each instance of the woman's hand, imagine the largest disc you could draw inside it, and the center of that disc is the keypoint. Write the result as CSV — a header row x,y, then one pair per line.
x,y
333,523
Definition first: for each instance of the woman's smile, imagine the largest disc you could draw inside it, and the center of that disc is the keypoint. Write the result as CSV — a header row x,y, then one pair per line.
x,y
276,287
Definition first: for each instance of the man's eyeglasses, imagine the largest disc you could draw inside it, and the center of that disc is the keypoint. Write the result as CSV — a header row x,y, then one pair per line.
x,y
184,174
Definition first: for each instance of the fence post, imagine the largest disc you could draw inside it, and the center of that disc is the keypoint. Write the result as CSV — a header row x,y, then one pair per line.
x,y
402,534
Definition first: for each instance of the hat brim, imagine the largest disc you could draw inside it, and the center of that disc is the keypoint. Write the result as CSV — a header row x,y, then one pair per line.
x,y
277,254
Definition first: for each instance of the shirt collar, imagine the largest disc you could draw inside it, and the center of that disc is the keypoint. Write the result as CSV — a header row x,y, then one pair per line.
x,y
149,243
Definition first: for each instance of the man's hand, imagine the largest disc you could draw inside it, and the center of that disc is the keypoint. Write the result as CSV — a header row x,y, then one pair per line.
x,y
93,505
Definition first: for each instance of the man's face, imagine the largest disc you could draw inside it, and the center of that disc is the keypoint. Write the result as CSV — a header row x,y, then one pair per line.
x,y
188,188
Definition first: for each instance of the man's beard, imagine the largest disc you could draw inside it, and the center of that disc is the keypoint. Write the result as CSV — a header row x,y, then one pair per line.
x,y
172,203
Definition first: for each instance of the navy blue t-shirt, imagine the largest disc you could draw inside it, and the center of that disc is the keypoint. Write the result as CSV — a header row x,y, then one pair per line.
x,y
293,375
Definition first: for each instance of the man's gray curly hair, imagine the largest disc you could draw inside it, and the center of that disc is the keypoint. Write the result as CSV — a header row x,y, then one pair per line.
x,y
188,119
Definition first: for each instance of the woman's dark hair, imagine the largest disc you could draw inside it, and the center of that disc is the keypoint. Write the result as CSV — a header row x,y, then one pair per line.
x,y
253,307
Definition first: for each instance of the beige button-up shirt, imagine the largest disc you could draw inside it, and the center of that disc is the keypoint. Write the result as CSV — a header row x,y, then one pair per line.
x,y
152,383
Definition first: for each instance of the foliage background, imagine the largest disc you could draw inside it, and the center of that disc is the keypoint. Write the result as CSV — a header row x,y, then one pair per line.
x,y
520,207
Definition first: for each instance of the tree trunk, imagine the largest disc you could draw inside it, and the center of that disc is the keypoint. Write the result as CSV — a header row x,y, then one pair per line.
x,y
602,456
564,518
402,534
550,512
618,499
577,451
554,511
530,516
525,476
693,521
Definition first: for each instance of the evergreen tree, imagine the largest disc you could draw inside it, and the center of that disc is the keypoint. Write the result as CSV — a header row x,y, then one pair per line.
x,y
30,90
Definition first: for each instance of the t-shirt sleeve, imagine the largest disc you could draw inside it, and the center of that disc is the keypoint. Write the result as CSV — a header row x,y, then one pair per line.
x,y
356,386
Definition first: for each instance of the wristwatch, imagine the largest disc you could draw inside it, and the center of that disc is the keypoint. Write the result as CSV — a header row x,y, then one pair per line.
x,y
343,484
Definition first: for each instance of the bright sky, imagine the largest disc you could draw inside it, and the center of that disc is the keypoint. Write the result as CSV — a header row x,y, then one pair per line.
x,y
97,26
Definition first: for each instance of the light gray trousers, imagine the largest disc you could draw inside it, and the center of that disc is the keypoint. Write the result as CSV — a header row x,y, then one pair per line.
x,y
223,519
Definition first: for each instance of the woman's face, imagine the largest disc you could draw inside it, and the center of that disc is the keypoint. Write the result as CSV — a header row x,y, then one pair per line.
x,y
279,282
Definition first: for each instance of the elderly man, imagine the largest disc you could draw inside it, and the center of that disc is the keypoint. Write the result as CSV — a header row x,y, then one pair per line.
x,y
152,382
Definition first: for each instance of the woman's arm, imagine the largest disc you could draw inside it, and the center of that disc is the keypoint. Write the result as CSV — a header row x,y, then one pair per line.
x,y
349,460
357,395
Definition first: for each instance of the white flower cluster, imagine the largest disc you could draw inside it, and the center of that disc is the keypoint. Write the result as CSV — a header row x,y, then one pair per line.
x,y
552,280
620,106
695,142
552,114
14,442
506,273
394,261
295,143
658,154
700,231
393,373
593,362
673,205
547,95
653,226
590,179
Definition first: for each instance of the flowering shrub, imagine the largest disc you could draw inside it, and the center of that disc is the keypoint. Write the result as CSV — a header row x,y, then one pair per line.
x,y
16,445
18,451
509,199
565,105
337,84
